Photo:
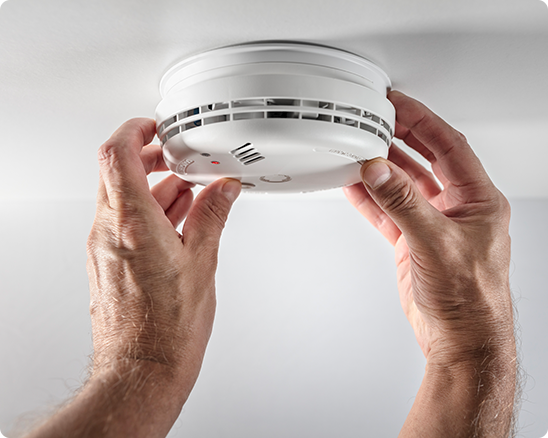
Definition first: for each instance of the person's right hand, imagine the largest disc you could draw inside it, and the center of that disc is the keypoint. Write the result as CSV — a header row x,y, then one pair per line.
x,y
452,254
452,244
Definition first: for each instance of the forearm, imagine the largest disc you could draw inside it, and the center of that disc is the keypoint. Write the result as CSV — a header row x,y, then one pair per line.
x,y
140,399
472,399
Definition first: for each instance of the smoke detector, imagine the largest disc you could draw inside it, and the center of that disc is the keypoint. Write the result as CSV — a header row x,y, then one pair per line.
x,y
278,116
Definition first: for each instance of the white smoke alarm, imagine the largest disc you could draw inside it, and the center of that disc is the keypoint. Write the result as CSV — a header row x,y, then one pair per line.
x,y
278,116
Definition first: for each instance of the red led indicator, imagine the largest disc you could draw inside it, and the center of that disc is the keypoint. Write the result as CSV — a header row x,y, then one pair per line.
x,y
215,162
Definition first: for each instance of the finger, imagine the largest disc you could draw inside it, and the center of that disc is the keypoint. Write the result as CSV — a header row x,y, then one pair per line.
x,y
208,214
420,128
153,160
168,190
397,195
120,164
362,201
420,176
412,142
439,174
177,211
402,132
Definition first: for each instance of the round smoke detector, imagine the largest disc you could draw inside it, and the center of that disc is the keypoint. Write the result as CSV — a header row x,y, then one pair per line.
x,y
278,116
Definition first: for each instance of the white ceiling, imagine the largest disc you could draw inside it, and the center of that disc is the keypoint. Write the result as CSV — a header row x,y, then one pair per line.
x,y
72,71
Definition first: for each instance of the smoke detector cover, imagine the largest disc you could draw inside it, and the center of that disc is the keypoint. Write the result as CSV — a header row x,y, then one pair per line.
x,y
278,116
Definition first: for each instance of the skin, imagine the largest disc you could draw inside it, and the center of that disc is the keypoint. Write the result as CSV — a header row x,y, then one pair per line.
x,y
153,290
452,252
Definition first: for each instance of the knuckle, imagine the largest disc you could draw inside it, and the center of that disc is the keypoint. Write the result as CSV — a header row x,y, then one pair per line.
x,y
108,152
215,212
399,198
91,243
95,237
461,137
504,210
125,228
498,208
210,219
504,205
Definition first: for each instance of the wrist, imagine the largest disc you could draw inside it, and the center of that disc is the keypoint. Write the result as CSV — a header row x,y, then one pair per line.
x,y
474,348
178,377
137,397
123,398
172,328
487,366
473,396
479,335
477,326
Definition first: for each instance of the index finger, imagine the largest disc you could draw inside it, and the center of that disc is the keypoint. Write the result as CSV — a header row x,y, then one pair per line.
x,y
153,160
122,170
436,140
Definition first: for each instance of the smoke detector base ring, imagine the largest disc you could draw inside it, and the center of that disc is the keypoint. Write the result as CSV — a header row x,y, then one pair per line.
x,y
310,113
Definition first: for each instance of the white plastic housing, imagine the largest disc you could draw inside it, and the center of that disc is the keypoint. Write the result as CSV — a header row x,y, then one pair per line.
x,y
280,117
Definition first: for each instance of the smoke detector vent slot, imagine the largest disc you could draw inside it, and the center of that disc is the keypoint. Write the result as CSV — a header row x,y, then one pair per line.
x,y
216,119
349,110
189,113
240,148
168,122
317,104
248,116
171,134
248,103
247,154
192,125
254,160
282,115
368,128
283,102
244,154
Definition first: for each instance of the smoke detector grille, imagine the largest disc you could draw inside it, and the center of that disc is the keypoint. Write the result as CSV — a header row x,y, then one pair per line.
x,y
247,111
262,108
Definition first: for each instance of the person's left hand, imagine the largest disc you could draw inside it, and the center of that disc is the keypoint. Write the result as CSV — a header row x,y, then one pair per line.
x,y
152,292
152,289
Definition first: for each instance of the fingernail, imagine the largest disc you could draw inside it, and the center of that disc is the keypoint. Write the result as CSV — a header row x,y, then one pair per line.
x,y
376,174
231,189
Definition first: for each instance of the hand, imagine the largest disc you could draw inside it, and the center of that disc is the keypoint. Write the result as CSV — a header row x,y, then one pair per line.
x,y
152,289
452,253
152,292
452,244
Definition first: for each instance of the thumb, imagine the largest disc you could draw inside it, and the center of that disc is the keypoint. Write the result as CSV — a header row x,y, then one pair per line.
x,y
398,196
208,214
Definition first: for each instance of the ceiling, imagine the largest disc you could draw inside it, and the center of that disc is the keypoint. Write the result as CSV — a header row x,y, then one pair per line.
x,y
72,71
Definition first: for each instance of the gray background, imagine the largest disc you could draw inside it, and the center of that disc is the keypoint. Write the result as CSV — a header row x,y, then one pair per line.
x,y
309,339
